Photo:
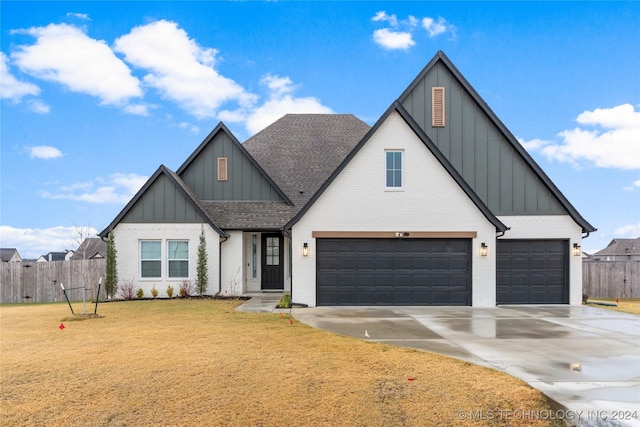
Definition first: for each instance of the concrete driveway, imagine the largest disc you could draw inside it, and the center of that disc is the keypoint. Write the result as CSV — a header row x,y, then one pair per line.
x,y
586,359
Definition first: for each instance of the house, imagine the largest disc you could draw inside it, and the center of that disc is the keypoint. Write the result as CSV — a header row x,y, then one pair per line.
x,y
436,204
10,255
90,248
56,256
620,250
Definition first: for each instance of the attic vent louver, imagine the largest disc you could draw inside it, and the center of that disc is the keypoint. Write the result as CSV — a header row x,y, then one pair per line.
x,y
222,169
437,107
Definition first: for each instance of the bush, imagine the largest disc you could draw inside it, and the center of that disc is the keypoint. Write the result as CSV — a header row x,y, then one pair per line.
x,y
140,293
127,289
186,288
285,301
154,291
170,291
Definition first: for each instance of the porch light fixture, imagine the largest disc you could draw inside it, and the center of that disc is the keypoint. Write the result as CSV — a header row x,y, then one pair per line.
x,y
577,250
305,249
483,249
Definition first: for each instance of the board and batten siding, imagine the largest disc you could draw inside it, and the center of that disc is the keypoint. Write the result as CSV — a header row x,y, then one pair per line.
x,y
478,150
128,236
163,202
430,201
551,227
244,181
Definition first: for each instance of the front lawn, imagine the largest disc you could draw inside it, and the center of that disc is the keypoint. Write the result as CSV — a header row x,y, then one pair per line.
x,y
199,362
623,305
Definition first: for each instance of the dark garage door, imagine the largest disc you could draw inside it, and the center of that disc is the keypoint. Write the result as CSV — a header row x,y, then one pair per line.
x,y
393,272
532,272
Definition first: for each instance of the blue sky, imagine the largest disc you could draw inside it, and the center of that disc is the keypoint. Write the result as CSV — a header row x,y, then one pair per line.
x,y
94,96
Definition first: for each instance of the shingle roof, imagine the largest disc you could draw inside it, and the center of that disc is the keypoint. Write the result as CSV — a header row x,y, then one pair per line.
x,y
7,253
236,215
301,151
89,248
621,247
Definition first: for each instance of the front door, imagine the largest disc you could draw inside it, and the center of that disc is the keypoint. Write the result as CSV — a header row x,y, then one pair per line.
x,y
272,261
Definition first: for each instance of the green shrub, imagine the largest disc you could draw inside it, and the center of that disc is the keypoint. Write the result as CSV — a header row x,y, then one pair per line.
x,y
140,293
170,291
285,301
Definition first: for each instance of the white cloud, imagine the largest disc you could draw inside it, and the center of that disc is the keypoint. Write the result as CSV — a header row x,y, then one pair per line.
x,y
12,88
33,242
435,28
390,39
400,35
82,16
614,143
534,144
280,102
44,152
38,106
180,69
137,109
382,16
119,188
192,128
631,230
65,54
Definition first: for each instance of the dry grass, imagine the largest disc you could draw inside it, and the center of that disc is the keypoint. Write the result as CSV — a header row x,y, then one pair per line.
x,y
624,305
199,362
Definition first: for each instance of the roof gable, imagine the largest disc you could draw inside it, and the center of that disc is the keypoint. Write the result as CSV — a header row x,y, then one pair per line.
x,y
621,247
245,180
428,144
164,198
480,147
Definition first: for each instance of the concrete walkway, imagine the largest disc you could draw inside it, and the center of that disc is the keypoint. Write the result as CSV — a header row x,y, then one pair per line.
x,y
262,302
586,359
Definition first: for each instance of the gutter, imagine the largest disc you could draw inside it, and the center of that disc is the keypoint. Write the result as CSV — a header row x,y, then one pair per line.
x,y
221,241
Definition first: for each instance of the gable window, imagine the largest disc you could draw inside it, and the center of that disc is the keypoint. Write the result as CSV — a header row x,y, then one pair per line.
x,y
222,169
437,107
150,259
394,169
178,258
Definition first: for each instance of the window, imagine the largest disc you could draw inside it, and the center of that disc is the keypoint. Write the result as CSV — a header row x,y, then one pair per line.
x,y
178,258
150,259
254,256
437,107
273,251
394,169
222,169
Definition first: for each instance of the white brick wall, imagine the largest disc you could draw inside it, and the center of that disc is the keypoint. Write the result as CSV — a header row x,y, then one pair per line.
x,y
231,266
127,237
430,201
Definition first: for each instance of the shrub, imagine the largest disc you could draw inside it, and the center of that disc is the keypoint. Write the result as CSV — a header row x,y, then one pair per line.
x,y
154,291
127,289
186,288
140,293
202,279
285,301
170,291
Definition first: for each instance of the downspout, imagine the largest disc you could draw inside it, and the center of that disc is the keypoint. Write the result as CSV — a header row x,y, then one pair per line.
x,y
502,233
222,240
286,233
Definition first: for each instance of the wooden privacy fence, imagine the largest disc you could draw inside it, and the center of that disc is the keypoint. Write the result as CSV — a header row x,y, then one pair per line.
x,y
611,279
34,281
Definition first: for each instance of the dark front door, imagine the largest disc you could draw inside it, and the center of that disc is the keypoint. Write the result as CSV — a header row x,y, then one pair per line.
x,y
272,261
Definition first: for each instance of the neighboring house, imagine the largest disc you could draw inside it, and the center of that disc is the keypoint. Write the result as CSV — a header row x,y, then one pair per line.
x,y
436,204
10,255
620,250
55,256
91,248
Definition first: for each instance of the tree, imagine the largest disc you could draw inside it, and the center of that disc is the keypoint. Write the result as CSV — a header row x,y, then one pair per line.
x,y
202,276
111,279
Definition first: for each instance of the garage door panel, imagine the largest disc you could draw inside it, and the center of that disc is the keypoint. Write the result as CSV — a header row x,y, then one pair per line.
x,y
393,271
532,271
